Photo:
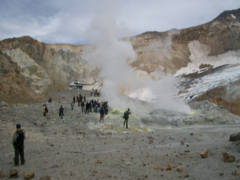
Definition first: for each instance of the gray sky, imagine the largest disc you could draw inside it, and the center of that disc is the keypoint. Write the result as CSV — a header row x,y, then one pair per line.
x,y
68,21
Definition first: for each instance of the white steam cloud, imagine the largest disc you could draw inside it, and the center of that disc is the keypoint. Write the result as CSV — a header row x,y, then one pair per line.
x,y
121,83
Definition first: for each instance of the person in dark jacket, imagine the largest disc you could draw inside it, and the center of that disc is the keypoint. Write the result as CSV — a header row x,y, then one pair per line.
x,y
61,111
18,145
82,106
126,117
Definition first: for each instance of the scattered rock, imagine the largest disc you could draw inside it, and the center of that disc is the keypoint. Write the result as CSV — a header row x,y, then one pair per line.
x,y
28,175
227,157
204,154
234,172
169,168
186,175
13,173
234,137
187,151
2,175
99,161
238,165
94,172
221,174
45,178
128,163
191,134
55,166
182,142
150,140
179,169
202,66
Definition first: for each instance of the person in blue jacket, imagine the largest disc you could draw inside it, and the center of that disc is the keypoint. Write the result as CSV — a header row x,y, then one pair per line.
x,y
101,111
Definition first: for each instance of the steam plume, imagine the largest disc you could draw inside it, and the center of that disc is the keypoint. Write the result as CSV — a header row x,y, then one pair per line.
x,y
121,83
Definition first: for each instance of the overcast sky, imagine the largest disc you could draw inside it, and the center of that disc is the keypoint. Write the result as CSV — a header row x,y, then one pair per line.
x,y
68,21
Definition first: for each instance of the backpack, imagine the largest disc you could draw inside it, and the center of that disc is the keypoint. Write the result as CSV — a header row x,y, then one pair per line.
x,y
125,115
20,138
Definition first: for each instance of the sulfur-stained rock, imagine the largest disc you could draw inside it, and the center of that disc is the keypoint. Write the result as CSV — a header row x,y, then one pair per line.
x,y
169,168
28,175
179,169
227,157
204,154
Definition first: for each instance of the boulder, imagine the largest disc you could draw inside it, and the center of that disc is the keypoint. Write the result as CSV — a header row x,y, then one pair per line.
x,y
179,169
234,137
227,157
28,175
204,154
13,173
169,168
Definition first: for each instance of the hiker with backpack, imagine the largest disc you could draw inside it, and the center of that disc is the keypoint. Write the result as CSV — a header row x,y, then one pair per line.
x,y
126,117
45,110
18,145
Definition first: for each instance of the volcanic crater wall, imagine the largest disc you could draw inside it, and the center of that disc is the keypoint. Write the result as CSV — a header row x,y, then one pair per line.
x,y
31,68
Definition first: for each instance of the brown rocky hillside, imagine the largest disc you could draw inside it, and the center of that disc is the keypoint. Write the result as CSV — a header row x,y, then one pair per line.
x,y
30,68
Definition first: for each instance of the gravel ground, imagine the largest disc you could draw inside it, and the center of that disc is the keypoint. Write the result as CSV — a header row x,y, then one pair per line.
x,y
79,147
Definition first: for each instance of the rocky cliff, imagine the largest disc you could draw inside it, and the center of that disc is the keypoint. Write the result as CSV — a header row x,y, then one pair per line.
x,y
169,51
30,68
39,67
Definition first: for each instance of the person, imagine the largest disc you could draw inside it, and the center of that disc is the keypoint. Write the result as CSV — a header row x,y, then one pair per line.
x,y
18,145
82,106
125,117
101,111
78,100
74,99
45,110
72,105
61,111
50,100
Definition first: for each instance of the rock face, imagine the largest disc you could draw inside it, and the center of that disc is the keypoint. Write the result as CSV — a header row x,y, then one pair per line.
x,y
169,51
30,68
